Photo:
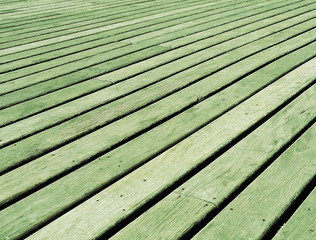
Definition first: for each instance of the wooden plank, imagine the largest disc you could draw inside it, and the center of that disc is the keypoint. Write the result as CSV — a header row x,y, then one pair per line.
x,y
136,152
125,158
166,221
65,15
38,104
137,19
89,58
79,76
108,34
91,41
166,107
110,206
33,37
302,224
78,20
257,208
217,181
116,63
93,50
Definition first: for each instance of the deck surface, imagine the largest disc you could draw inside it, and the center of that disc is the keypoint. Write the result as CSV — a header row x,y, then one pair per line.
x,y
157,119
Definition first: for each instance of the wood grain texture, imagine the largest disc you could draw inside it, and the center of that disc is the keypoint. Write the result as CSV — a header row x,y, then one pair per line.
x,y
74,151
302,224
123,159
52,78
90,120
151,116
216,182
254,210
169,166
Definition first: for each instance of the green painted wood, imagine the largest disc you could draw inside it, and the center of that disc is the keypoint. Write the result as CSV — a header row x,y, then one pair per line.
x,y
87,122
159,96
60,11
77,21
3,99
105,209
18,24
32,106
85,43
302,225
260,205
132,20
104,48
70,17
170,220
120,17
79,76
217,181
124,159
100,58
88,38
76,14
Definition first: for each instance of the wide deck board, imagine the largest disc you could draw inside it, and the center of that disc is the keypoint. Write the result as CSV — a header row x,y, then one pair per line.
x,y
150,119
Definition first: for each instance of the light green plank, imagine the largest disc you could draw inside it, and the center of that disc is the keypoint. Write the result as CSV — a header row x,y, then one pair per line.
x,y
105,209
99,61
32,106
169,221
117,162
135,19
87,122
221,178
34,37
251,214
181,23
22,128
302,225
94,40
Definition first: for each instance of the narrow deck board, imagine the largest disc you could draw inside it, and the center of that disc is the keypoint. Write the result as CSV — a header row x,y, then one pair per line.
x,y
185,156
147,48
146,145
149,119
96,40
216,182
16,131
158,110
303,223
262,202
176,24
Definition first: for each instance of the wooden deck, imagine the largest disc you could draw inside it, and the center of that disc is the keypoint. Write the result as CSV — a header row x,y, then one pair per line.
x,y
157,119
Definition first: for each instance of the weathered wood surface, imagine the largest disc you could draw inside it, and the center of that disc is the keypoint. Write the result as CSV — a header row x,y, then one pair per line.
x,y
303,223
153,119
